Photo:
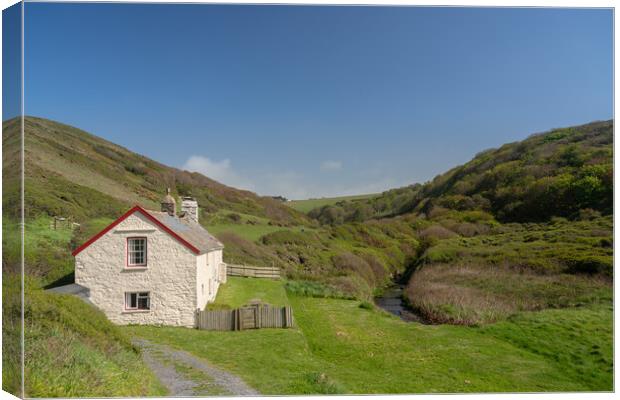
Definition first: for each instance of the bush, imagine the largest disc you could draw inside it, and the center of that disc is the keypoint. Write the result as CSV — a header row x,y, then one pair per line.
x,y
288,237
314,289
589,265
234,217
436,232
323,384
349,262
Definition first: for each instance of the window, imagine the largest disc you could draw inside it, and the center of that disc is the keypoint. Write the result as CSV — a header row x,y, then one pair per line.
x,y
136,251
138,301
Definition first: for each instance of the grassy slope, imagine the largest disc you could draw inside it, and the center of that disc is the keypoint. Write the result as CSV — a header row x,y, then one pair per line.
x,y
513,267
556,173
339,347
71,348
557,186
73,173
307,205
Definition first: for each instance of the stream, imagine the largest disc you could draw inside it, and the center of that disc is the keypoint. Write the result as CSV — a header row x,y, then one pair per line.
x,y
391,300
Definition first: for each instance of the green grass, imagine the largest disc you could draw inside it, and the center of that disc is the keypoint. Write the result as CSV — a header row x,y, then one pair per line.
x,y
340,347
46,251
577,340
72,350
239,291
306,206
248,232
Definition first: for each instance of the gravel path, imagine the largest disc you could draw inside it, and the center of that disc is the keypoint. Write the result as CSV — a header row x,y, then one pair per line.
x,y
186,375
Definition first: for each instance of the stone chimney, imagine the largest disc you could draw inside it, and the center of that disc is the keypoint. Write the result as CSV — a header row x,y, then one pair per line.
x,y
190,206
169,204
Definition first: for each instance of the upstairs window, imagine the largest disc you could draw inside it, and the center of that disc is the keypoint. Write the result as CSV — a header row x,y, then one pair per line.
x,y
137,301
136,252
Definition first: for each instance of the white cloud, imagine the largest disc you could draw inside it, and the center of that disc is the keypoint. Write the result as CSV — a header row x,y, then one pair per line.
x,y
331,165
221,171
289,183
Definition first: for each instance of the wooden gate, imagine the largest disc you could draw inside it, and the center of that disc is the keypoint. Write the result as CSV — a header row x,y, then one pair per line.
x,y
248,318
252,316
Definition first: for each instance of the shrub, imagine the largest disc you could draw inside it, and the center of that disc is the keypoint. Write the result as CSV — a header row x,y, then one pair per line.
x,y
234,217
349,262
589,265
322,384
289,237
314,289
436,232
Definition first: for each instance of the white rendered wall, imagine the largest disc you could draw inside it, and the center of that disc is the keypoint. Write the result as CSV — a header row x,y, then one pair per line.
x,y
202,280
208,277
170,275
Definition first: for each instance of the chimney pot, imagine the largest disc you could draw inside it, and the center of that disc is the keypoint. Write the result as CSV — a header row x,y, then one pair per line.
x,y
169,204
189,205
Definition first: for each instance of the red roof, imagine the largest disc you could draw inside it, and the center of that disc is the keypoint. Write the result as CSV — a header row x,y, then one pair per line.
x,y
147,215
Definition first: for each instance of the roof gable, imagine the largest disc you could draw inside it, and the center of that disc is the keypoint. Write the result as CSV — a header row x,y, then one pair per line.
x,y
151,218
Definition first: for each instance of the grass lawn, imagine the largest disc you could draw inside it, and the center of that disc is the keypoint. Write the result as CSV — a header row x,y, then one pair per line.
x,y
239,291
338,347
250,232
306,206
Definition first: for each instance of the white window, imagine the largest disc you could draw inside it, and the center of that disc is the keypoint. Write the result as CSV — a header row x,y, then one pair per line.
x,y
137,301
136,251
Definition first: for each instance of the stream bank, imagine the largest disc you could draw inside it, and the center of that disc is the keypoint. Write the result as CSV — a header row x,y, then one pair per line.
x,y
391,300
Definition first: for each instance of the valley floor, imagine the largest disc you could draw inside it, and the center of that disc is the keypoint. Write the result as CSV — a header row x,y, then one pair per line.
x,y
340,347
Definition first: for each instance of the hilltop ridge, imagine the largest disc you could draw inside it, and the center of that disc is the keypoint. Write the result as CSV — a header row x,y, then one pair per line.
x,y
554,173
71,172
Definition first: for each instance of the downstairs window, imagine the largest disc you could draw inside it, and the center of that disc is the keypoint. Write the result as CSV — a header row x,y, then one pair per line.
x,y
137,301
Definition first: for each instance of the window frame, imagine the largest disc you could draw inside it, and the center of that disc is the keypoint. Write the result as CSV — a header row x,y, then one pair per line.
x,y
127,257
128,307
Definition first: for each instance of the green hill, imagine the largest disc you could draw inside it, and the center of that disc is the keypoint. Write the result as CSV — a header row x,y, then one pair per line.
x,y
310,204
527,226
70,172
556,173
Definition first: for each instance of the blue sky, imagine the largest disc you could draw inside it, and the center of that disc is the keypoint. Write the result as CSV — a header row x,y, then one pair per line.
x,y
316,101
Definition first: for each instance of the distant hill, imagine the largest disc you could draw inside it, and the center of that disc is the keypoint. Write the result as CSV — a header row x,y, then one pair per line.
x,y
556,173
71,172
310,204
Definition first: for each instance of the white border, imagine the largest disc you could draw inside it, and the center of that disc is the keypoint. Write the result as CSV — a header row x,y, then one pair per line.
x,y
445,3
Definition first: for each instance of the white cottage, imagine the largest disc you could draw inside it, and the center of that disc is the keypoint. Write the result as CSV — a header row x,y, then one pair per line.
x,y
152,267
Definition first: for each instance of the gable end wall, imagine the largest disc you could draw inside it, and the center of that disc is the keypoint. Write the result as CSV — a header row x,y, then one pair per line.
x,y
170,275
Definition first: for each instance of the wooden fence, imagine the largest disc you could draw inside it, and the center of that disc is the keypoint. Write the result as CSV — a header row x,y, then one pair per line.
x,y
62,222
255,316
253,271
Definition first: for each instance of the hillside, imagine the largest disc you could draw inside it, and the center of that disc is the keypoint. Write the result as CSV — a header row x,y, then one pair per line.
x,y
524,227
73,173
556,173
310,204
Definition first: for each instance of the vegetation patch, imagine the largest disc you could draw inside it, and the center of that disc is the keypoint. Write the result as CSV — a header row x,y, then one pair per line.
x,y
472,295
72,350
